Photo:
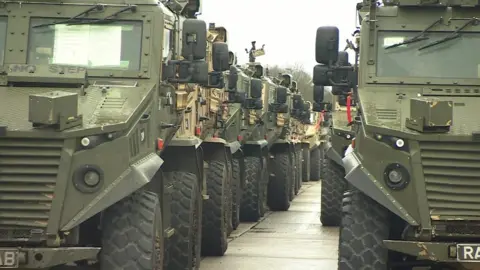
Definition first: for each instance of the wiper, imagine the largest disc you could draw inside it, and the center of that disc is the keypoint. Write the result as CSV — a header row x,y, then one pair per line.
x,y
108,19
97,8
455,34
421,36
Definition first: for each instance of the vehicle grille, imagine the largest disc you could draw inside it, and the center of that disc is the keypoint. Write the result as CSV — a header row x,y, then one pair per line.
x,y
452,178
28,173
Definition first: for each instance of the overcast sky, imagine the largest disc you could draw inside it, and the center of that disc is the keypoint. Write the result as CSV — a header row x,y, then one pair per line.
x,y
287,28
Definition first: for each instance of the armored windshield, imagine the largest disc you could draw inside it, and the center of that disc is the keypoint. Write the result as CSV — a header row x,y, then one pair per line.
x,y
3,36
115,45
453,59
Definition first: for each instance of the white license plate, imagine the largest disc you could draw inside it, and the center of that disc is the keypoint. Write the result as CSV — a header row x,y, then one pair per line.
x,y
468,252
8,258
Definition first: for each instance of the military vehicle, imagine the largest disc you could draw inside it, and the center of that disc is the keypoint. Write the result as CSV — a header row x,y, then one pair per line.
x,y
244,88
340,137
220,121
301,119
412,165
286,163
99,163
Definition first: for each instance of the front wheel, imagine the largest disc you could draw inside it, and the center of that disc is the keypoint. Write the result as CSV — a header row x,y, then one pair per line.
x,y
365,224
279,185
250,209
132,234
333,187
215,211
186,208
316,164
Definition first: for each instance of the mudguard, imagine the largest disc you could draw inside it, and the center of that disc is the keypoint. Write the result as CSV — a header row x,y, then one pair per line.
x,y
360,178
139,174
185,141
234,146
215,149
255,148
332,154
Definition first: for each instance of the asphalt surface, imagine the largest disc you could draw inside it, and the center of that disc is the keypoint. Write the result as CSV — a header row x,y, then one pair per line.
x,y
289,240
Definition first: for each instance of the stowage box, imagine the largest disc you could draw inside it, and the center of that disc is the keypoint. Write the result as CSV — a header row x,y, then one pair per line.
x,y
430,114
46,108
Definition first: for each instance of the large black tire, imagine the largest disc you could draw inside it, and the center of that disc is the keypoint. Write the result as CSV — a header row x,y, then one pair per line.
x,y
184,246
215,210
306,165
251,202
229,195
132,236
299,179
333,187
323,162
264,186
315,164
293,177
365,224
236,193
279,186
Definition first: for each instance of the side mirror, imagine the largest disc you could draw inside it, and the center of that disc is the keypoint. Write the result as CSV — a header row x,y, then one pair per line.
x,y
297,102
194,39
318,93
281,95
233,78
294,86
321,75
256,87
231,58
326,45
220,56
258,71
287,80
342,59
199,74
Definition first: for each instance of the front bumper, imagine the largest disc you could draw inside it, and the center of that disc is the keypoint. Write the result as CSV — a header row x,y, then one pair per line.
x,y
40,258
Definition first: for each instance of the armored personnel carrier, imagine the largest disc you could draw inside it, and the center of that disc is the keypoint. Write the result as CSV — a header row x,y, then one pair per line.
x,y
286,164
412,166
99,162
340,136
245,90
220,122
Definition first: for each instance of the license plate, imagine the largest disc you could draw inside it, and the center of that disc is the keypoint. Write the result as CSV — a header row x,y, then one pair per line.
x,y
468,252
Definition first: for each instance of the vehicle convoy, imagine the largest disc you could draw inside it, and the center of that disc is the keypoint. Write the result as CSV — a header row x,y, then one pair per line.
x,y
414,193
263,136
340,137
306,126
105,167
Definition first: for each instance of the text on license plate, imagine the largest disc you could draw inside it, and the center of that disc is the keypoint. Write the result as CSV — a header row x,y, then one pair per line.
x,y
8,258
468,252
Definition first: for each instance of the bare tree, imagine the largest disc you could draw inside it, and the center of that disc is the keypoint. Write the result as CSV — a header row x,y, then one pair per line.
x,y
303,78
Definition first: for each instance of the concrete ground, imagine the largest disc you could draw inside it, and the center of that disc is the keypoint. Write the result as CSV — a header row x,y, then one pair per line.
x,y
283,240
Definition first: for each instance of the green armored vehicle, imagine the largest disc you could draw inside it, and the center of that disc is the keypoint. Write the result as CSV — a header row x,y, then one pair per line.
x,y
245,90
412,168
341,113
285,171
98,159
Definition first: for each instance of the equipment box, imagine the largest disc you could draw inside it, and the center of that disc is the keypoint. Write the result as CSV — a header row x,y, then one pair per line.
x,y
430,115
47,108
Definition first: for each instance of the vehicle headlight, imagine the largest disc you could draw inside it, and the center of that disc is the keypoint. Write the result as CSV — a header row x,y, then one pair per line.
x,y
88,178
396,176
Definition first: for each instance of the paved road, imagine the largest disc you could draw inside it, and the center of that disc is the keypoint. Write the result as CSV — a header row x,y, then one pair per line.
x,y
283,240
